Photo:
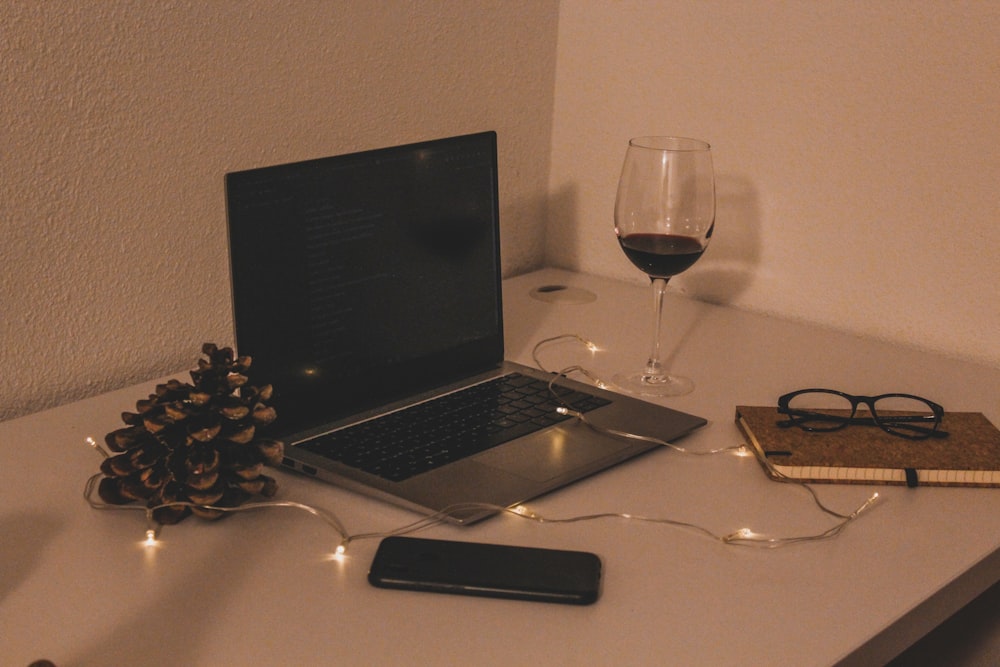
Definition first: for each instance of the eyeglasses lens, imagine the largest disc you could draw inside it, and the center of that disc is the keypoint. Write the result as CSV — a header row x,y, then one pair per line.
x,y
820,410
905,415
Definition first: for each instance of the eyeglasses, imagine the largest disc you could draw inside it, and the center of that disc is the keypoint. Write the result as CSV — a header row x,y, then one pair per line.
x,y
824,410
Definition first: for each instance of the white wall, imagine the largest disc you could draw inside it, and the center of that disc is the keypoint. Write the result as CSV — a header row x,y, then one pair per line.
x,y
120,119
855,144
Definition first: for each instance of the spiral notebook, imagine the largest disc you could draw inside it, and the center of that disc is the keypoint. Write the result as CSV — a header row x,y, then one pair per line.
x,y
969,456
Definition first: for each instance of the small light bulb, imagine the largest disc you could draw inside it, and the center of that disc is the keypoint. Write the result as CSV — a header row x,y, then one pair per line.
x,y
150,538
743,534
339,553
96,446
524,511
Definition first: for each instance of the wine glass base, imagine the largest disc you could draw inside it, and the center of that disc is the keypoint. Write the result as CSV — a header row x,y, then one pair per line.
x,y
643,384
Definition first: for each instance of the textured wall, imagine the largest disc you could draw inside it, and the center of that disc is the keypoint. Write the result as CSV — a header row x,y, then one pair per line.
x,y
120,119
855,147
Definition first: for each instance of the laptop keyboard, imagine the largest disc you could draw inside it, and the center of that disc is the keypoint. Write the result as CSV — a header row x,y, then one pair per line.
x,y
413,440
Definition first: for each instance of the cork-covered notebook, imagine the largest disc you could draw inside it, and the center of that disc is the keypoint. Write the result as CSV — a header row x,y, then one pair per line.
x,y
969,456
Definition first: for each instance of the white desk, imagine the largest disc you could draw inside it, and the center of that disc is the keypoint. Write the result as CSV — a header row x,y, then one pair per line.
x,y
77,587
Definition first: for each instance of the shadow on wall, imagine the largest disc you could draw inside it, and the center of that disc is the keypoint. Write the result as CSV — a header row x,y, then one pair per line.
x,y
727,269
562,224
522,236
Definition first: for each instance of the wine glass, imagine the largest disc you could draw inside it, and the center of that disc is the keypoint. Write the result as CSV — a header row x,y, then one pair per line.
x,y
664,218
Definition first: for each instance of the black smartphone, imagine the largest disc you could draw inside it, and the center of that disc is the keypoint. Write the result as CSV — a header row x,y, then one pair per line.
x,y
491,570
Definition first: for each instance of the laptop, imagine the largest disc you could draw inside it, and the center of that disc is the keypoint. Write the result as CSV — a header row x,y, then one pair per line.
x,y
367,289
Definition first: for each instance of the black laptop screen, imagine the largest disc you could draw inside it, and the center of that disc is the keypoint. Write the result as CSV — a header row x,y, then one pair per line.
x,y
362,278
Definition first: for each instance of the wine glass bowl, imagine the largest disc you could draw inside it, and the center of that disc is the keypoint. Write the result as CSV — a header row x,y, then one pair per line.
x,y
664,219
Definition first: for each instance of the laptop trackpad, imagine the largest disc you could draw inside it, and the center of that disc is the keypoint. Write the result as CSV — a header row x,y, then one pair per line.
x,y
550,454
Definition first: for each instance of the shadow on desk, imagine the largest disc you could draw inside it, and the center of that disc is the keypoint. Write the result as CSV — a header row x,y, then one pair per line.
x,y
970,638
173,625
24,538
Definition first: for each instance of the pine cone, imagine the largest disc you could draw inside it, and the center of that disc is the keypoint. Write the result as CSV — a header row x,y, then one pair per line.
x,y
198,443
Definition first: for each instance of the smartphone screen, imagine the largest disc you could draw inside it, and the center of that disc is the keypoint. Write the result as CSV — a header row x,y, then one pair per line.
x,y
492,570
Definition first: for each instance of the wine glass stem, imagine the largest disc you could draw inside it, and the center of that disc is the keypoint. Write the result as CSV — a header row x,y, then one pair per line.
x,y
654,367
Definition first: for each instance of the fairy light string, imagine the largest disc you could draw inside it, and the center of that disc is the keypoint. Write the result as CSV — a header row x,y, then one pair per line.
x,y
743,537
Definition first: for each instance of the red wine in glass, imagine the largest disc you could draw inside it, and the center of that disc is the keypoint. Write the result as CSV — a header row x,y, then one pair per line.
x,y
661,255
